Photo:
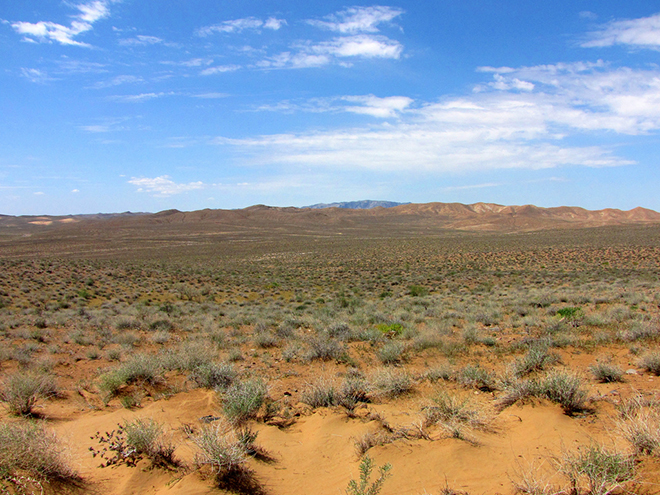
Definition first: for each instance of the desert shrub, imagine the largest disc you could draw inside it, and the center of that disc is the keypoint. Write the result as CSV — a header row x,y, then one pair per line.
x,y
143,368
642,429
516,390
391,382
391,352
606,372
321,393
126,339
323,348
218,446
455,413
372,439
418,291
146,437
537,358
160,337
565,389
290,352
113,354
354,389
265,340
651,362
340,331
29,448
21,390
451,408
189,356
557,386
390,329
127,323
445,373
474,376
163,325
599,469
242,400
213,376
365,486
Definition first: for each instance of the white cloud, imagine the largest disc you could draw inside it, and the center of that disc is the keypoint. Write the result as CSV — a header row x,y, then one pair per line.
x,y
197,62
35,75
643,32
239,25
47,32
141,40
326,52
118,81
142,97
378,107
274,23
163,185
97,128
81,67
367,46
211,95
75,191
374,106
358,19
220,69
521,120
473,186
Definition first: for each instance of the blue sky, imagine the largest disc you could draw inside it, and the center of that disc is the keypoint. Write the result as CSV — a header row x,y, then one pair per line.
x,y
145,105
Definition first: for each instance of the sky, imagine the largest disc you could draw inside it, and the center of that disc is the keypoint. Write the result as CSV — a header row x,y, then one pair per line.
x,y
147,105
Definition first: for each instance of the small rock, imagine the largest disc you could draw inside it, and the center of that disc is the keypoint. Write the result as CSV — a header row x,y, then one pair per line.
x,y
631,372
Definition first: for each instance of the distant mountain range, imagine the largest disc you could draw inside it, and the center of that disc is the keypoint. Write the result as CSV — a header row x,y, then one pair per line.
x,y
365,204
357,216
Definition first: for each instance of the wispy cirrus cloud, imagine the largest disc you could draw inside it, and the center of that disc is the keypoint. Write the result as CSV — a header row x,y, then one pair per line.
x,y
523,119
48,32
35,75
387,107
366,46
358,27
141,97
163,185
141,40
641,33
357,19
340,50
239,25
118,81
219,69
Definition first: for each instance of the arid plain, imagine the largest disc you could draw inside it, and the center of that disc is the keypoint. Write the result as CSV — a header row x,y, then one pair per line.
x,y
472,349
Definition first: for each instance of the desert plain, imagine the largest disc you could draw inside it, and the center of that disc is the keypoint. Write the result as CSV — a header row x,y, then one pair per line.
x,y
438,349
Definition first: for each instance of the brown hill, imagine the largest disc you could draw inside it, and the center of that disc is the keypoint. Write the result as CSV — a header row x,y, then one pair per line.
x,y
410,217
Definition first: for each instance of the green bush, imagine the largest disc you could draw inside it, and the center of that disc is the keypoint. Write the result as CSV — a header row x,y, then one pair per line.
x,y
242,400
364,486
218,446
146,437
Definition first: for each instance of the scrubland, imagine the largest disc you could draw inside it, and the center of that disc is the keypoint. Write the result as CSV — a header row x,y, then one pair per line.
x,y
422,364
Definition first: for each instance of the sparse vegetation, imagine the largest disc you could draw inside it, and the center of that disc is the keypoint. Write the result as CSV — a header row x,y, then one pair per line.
x,y
21,391
27,448
485,320
364,486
